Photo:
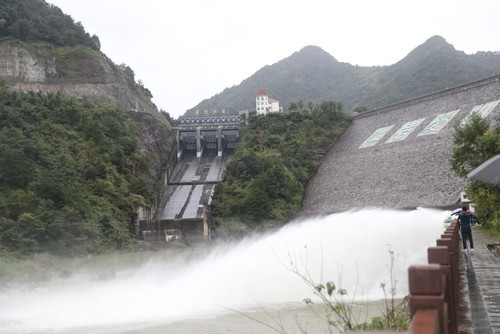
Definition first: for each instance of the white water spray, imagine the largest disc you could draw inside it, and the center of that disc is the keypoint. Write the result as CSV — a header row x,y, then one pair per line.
x,y
352,247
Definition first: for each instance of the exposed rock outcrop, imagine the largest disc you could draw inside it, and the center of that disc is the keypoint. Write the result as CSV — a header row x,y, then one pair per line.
x,y
78,71
158,139
85,73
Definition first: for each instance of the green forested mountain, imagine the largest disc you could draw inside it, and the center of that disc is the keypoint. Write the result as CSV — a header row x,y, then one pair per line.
x,y
276,156
36,20
311,74
42,48
77,158
71,174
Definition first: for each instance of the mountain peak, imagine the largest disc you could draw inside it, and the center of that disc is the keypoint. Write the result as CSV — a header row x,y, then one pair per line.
x,y
434,47
312,74
435,43
316,52
436,40
311,48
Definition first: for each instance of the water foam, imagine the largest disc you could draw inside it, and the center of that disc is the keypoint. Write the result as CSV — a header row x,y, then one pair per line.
x,y
351,249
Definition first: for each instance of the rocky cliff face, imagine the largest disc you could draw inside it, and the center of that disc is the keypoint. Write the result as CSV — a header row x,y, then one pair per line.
x,y
76,71
17,65
85,73
158,141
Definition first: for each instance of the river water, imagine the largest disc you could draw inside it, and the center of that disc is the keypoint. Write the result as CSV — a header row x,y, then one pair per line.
x,y
229,288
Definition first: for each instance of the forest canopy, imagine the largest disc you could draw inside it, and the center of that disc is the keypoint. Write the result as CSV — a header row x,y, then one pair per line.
x,y
473,144
71,175
275,157
36,20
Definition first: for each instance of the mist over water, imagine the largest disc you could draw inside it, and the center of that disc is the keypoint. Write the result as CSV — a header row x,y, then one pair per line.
x,y
351,249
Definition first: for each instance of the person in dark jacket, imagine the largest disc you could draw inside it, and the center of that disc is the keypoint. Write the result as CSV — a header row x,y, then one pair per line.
x,y
465,219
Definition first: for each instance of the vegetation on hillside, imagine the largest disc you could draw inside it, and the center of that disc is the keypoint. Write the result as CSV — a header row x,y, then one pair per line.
x,y
52,38
71,175
474,143
276,155
36,20
312,74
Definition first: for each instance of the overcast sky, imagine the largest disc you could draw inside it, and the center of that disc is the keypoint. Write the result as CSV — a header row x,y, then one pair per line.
x,y
188,50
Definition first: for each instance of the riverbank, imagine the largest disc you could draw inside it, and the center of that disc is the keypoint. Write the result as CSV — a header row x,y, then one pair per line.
x,y
291,319
40,268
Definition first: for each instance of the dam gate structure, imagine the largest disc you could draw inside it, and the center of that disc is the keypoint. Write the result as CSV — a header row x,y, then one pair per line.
x,y
393,157
201,133
204,148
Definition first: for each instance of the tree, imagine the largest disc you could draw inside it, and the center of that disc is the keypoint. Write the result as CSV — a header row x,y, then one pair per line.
x,y
360,109
474,143
128,72
273,161
15,167
293,106
96,43
168,117
36,20
301,104
310,105
71,174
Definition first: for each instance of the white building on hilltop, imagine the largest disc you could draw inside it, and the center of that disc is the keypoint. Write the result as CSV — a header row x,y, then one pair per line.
x,y
265,104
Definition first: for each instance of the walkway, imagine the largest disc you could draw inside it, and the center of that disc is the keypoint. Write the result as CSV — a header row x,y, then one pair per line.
x,y
480,285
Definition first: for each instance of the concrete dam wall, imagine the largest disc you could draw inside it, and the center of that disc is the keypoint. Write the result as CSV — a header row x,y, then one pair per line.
x,y
192,184
183,213
398,156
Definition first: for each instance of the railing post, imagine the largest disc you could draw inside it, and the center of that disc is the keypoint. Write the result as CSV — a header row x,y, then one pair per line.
x,y
427,284
440,255
450,240
424,322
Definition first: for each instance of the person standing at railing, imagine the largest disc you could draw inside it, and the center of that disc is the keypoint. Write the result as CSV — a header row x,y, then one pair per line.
x,y
465,219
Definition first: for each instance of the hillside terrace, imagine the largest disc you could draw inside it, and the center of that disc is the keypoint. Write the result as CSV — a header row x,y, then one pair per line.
x,y
398,156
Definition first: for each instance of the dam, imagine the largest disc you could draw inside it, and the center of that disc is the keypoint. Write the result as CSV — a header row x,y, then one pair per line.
x,y
196,289
204,148
396,157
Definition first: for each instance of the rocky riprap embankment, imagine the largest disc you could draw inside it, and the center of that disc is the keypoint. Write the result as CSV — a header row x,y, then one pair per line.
x,y
414,172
